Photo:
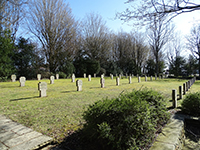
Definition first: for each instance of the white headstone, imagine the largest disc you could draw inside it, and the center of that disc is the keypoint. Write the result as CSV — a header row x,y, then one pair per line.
x,y
42,87
84,75
89,77
39,76
73,77
130,78
111,76
22,81
57,76
52,78
13,78
79,84
117,81
139,79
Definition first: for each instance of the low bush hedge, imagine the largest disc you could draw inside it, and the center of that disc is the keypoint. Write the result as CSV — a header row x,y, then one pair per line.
x,y
191,104
127,122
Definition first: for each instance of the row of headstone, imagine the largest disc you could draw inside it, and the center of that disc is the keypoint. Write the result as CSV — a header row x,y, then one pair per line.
x,y
182,91
22,80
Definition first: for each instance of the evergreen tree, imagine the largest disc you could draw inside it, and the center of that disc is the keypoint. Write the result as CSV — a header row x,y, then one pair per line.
x,y
6,53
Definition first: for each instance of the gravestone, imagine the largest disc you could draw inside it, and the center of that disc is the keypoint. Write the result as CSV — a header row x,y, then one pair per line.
x,y
120,76
79,84
159,77
155,77
117,81
102,81
57,76
89,77
42,87
52,78
151,78
111,76
145,78
84,75
13,78
139,80
130,80
126,75
39,77
22,81
95,75
73,77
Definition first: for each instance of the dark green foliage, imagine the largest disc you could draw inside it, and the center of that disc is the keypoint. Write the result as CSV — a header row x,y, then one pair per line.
x,y
127,122
176,66
86,65
62,75
191,104
26,59
67,67
6,53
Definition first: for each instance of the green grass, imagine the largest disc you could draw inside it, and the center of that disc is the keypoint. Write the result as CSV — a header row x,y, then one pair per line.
x,y
60,113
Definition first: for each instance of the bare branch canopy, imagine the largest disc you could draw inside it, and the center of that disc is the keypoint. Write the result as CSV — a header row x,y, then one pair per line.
x,y
145,9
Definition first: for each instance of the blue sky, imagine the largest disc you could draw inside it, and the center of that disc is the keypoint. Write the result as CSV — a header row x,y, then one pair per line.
x,y
108,8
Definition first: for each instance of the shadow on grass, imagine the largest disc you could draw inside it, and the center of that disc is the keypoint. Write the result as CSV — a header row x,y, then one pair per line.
x,y
192,133
69,91
19,99
9,86
95,87
78,141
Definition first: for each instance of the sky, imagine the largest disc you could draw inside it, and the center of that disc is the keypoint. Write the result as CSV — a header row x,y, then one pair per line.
x,y
108,8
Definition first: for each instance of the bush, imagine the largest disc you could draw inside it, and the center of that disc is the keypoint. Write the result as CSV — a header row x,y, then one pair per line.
x,y
62,75
126,122
191,104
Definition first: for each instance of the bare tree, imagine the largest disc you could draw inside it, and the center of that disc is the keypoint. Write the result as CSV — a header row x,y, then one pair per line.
x,y
96,38
52,22
194,42
174,48
130,51
159,35
11,13
145,9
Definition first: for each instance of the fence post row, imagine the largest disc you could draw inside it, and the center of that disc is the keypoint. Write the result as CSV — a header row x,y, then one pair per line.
x,y
182,91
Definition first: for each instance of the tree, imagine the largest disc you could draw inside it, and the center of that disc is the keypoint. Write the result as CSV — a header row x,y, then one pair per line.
x,y
96,40
194,42
129,52
175,60
176,67
6,53
53,24
191,66
11,13
26,59
159,35
143,10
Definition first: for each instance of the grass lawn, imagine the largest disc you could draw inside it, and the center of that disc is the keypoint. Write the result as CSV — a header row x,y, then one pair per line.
x,y
60,113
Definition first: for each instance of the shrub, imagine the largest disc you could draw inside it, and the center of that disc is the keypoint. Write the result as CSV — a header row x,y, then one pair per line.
x,y
126,122
191,104
62,75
